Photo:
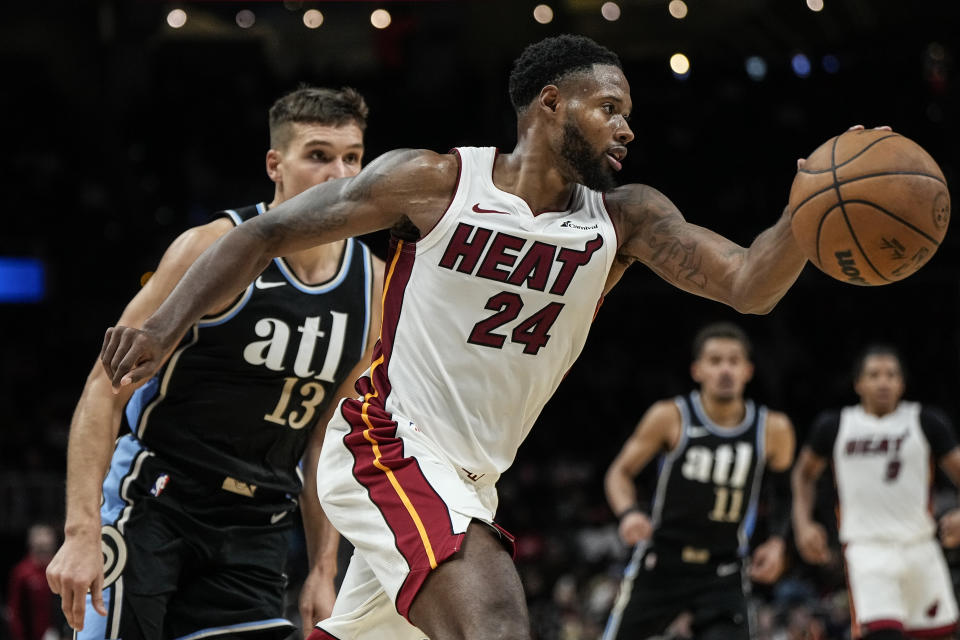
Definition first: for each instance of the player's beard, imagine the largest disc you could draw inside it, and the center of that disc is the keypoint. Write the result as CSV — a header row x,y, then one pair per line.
x,y
591,169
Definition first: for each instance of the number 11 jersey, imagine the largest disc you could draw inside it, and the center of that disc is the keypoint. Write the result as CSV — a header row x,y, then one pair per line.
x,y
708,485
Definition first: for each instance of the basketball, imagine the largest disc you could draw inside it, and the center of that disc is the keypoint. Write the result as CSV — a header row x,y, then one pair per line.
x,y
869,207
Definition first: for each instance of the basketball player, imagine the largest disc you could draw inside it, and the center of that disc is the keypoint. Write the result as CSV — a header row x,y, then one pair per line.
x,y
197,503
497,267
716,447
881,451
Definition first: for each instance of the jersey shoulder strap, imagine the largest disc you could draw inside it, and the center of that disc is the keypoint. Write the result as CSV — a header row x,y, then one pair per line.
x,y
240,214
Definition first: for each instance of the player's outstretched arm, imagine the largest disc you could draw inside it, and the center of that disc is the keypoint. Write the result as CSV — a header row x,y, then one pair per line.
x,y
656,431
415,184
78,565
810,536
695,259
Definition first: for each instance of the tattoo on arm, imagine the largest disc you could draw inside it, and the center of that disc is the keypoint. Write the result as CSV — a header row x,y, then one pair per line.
x,y
674,255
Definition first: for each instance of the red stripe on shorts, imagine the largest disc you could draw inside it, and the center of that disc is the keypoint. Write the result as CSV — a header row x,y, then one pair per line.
x,y
414,512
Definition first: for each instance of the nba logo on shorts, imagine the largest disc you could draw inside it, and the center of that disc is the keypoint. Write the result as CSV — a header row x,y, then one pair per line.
x,y
160,484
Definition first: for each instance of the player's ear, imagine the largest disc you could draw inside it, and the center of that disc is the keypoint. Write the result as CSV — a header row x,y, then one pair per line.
x,y
695,371
273,165
549,98
749,371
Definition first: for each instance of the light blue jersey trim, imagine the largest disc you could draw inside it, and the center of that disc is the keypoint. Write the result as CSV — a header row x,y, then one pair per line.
x,y
128,447
139,401
240,627
330,286
750,518
367,293
228,315
712,427
94,624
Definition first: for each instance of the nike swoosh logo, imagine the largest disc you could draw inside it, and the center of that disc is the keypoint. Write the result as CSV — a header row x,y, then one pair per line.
x,y
277,517
697,432
260,284
477,209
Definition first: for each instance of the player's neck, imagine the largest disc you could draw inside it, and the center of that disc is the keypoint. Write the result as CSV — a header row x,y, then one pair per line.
x,y
723,412
878,411
530,172
316,264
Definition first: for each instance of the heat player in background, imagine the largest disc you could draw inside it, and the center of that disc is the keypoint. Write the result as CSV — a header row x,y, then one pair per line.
x,y
716,447
882,452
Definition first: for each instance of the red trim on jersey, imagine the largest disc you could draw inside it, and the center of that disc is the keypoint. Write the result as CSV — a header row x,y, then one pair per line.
x,y
453,196
936,632
411,507
376,386
883,623
616,230
508,540
320,634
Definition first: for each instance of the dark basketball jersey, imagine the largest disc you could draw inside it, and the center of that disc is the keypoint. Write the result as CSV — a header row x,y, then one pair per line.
x,y
706,494
241,393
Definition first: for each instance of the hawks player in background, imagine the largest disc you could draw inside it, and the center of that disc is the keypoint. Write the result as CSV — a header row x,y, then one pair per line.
x,y
882,451
197,504
689,549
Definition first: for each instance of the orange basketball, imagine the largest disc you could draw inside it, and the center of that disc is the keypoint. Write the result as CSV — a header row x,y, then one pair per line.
x,y
869,207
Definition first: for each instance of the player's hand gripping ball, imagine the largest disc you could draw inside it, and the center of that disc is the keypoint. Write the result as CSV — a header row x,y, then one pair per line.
x,y
869,207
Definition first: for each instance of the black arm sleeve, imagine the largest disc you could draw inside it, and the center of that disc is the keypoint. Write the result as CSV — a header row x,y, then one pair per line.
x,y
823,434
938,430
776,489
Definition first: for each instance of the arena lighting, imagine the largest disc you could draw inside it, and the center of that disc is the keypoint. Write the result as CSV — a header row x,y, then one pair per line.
x,y
245,18
756,68
678,9
680,64
610,11
22,280
801,65
177,18
815,5
312,18
543,14
380,18
830,63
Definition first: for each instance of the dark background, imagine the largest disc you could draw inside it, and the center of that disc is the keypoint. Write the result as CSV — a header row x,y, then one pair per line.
x,y
119,132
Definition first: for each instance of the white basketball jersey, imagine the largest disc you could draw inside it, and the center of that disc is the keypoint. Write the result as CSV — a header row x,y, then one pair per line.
x,y
882,468
484,315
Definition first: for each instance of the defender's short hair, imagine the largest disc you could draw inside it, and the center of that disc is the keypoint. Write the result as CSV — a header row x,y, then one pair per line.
x,y
550,61
877,349
316,105
721,330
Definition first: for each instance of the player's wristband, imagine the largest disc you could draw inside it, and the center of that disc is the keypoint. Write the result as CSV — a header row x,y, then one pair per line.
x,y
634,508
